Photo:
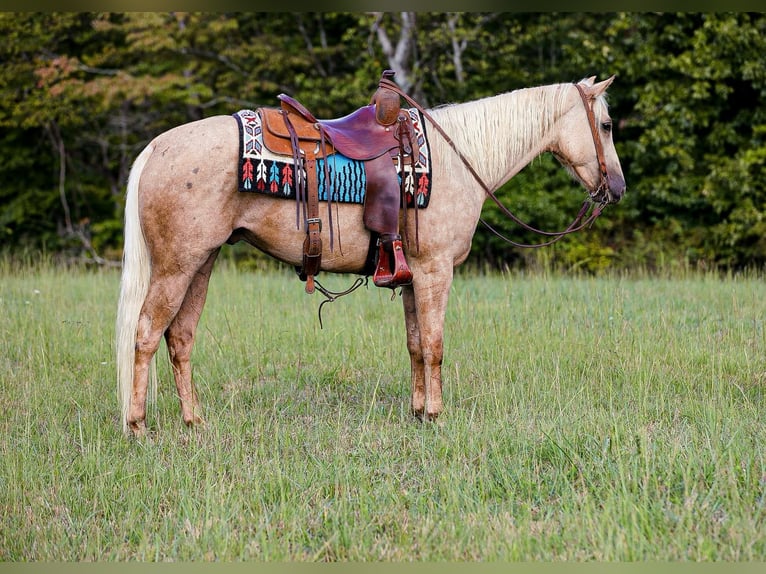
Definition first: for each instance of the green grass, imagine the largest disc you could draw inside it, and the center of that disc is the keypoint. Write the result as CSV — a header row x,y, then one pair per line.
x,y
586,419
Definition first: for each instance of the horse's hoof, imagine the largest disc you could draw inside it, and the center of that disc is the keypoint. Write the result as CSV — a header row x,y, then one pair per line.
x,y
425,417
137,429
195,421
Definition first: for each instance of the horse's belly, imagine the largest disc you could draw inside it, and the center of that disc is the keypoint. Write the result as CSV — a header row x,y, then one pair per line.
x,y
272,226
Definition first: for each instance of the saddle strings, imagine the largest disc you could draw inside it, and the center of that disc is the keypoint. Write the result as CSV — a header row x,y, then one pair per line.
x,y
300,181
329,188
407,148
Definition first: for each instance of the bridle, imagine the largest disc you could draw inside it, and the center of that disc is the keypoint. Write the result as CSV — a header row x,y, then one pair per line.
x,y
603,183
580,222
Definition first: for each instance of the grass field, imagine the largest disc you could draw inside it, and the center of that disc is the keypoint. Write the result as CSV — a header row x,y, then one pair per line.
x,y
586,419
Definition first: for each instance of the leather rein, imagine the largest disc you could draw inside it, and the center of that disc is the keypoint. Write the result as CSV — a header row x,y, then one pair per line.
x,y
576,225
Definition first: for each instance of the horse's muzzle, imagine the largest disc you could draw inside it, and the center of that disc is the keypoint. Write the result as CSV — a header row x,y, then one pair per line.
x,y
616,188
611,190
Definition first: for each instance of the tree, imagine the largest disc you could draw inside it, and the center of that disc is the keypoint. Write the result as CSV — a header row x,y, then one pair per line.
x,y
694,132
82,93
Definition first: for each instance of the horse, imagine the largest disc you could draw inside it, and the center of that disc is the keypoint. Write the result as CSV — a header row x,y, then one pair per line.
x,y
182,205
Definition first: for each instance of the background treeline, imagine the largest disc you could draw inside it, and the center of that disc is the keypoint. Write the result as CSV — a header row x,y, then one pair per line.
x,y
82,93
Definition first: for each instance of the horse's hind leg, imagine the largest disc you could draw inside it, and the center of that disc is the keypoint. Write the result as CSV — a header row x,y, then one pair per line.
x,y
165,295
180,340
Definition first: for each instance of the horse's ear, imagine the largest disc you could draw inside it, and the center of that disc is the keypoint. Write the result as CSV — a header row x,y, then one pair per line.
x,y
601,87
588,81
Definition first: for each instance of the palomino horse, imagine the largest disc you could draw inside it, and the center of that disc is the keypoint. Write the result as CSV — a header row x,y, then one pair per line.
x,y
183,205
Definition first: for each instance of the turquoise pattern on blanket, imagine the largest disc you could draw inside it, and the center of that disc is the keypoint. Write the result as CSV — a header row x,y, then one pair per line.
x,y
347,179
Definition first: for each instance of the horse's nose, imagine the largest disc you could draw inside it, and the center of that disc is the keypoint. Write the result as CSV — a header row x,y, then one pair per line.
x,y
616,187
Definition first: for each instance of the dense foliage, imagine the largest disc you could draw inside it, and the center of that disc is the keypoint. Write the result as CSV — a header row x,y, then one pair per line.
x,y
82,93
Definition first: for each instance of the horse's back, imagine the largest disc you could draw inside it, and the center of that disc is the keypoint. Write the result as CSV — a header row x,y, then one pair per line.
x,y
209,143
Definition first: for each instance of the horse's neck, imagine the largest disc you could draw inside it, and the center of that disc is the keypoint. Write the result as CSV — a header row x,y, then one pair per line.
x,y
499,135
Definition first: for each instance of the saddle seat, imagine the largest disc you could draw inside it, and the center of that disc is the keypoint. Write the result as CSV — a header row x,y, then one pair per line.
x,y
357,136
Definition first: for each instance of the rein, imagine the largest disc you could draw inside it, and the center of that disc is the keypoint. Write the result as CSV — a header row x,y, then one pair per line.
x,y
576,225
332,296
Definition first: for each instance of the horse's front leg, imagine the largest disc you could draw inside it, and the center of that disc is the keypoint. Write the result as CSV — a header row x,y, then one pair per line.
x,y
425,305
417,368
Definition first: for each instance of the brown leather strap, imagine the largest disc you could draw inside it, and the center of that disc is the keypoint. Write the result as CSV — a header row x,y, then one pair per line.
x,y
408,146
300,184
307,197
604,182
290,102
329,189
312,245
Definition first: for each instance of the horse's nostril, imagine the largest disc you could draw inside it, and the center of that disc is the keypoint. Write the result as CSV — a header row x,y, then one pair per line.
x,y
616,188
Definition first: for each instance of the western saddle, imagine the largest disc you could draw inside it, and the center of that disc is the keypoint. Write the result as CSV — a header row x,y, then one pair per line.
x,y
379,135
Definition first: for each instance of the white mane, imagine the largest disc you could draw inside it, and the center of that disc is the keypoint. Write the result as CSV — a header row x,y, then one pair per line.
x,y
496,132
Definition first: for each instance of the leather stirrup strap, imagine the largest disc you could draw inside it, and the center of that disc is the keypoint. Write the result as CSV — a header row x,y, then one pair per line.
x,y
306,196
312,245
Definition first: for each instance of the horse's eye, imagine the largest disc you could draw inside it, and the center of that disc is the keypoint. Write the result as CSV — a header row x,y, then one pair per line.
x,y
607,126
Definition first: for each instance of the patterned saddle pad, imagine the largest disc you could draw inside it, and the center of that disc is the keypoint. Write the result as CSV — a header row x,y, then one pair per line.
x,y
261,171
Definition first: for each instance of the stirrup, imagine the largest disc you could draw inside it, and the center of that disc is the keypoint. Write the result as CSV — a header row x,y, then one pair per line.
x,y
388,273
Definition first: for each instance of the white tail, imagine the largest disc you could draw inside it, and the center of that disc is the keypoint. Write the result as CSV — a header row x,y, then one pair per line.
x,y
136,271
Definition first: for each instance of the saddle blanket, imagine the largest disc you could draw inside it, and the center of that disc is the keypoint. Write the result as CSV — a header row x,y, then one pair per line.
x,y
262,171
